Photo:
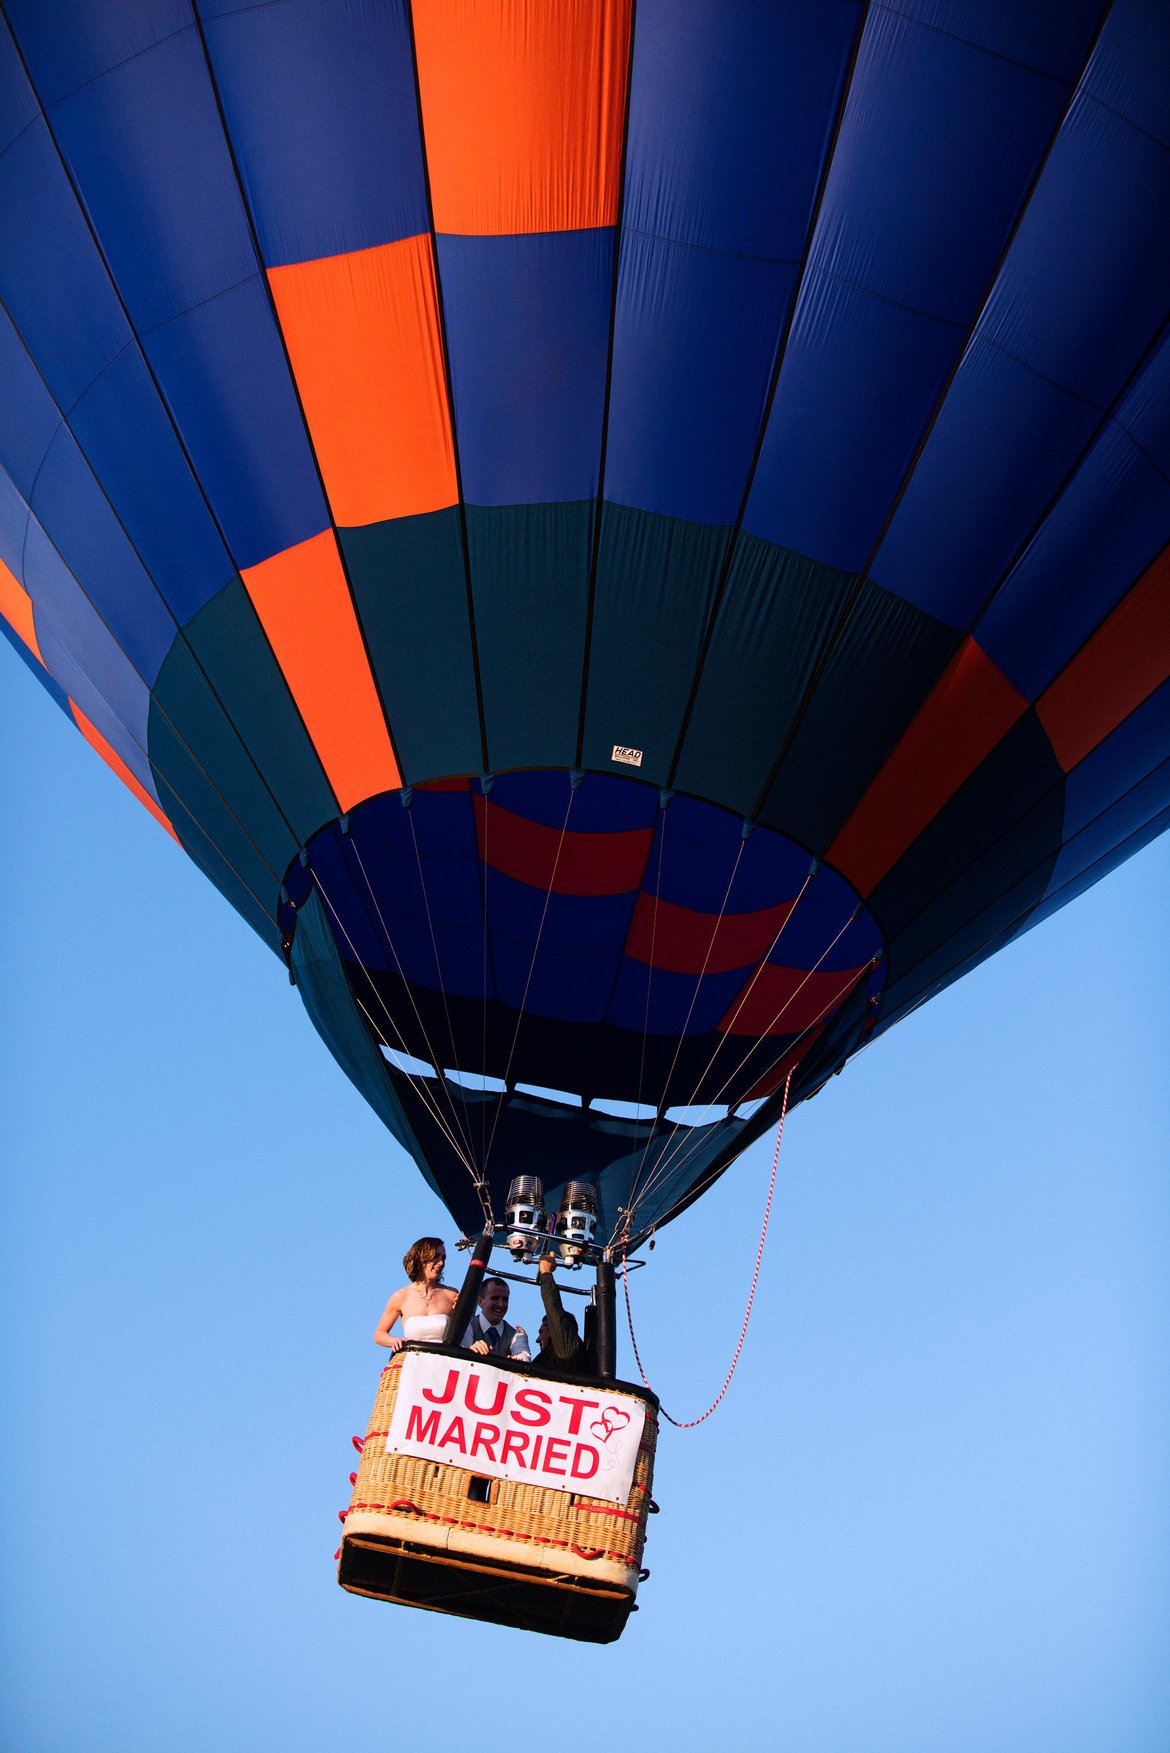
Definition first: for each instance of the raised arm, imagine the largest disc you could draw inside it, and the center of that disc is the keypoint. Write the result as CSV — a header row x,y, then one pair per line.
x,y
562,1328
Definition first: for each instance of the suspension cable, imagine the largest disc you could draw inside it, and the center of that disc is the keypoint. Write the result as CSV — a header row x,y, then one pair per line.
x,y
690,1423
391,946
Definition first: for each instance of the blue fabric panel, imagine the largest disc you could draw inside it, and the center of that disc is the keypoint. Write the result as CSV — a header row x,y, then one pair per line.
x,y
592,927
84,659
118,422
938,145
777,611
601,805
1128,70
320,104
1060,897
655,580
859,381
694,341
528,330
77,518
18,106
72,42
810,930
13,526
223,371
530,582
937,148
1050,38
731,111
146,146
1087,280
38,670
572,988
671,998
1139,806
52,280
1119,763
1145,411
28,419
999,451
1108,527
697,857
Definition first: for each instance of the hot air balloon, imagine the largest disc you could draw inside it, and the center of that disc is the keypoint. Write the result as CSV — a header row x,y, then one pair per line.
x,y
628,541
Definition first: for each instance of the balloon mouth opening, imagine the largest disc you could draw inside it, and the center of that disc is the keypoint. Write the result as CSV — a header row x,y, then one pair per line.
x,y
586,940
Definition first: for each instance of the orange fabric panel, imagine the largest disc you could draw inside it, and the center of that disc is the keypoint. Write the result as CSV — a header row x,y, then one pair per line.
x,y
1120,666
304,606
970,708
16,607
363,335
111,757
523,105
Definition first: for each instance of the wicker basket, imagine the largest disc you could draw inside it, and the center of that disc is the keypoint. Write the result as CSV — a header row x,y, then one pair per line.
x,y
442,1537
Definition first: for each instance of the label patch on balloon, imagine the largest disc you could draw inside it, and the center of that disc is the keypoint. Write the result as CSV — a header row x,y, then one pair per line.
x,y
628,757
509,1426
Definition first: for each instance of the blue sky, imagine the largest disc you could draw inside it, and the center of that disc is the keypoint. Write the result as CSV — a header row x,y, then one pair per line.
x,y
930,1516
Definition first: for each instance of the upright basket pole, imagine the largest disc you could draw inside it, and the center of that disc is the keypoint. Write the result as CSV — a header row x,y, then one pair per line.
x,y
460,1317
606,1321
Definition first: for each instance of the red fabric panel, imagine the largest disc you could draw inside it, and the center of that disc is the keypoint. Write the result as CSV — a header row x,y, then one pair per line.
x,y
588,864
783,1001
1120,666
969,710
772,1079
678,938
111,757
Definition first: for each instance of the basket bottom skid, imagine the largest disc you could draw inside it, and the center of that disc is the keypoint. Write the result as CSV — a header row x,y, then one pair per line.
x,y
414,1575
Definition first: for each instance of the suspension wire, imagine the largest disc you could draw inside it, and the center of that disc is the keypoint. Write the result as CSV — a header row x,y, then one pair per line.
x,y
423,1093
485,867
410,995
722,1043
680,1153
690,1423
438,966
527,984
660,1104
673,1150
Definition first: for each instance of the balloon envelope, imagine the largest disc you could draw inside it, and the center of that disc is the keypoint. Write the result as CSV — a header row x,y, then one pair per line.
x,y
630,545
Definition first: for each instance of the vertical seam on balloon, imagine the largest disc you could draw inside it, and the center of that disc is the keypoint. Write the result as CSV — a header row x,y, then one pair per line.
x,y
1108,419
861,576
155,703
449,382
595,544
296,388
731,548
174,425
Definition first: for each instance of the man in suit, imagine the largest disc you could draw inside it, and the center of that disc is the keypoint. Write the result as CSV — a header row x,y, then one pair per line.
x,y
489,1335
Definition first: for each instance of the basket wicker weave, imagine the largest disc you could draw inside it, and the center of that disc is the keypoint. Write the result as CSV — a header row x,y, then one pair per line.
x,y
518,1554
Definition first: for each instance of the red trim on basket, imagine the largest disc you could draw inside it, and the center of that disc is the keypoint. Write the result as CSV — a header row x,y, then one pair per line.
x,y
404,1503
359,1443
598,1509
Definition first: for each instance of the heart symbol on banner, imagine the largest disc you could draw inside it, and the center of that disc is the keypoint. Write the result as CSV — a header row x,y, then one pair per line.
x,y
611,1421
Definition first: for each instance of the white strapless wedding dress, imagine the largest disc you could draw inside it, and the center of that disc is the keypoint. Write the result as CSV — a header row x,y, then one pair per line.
x,y
424,1329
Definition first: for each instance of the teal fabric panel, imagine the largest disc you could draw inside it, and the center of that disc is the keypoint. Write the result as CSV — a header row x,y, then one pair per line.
x,y
655,580
410,587
530,571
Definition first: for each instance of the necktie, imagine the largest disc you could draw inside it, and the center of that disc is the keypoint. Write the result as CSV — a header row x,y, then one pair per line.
x,y
492,1335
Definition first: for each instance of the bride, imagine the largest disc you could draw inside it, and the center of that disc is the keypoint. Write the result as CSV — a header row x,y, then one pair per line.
x,y
424,1304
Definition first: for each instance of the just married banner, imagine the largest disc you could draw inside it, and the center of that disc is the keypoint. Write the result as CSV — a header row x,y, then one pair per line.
x,y
505,1426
